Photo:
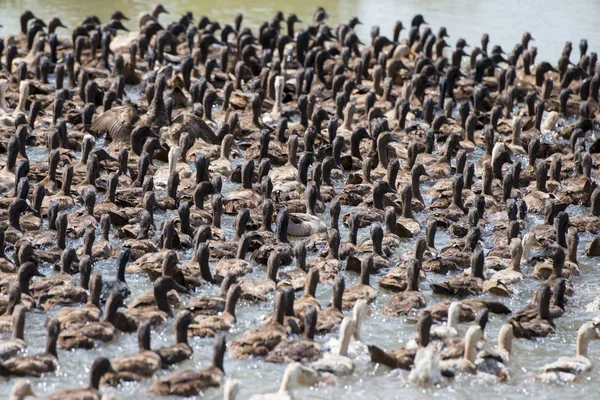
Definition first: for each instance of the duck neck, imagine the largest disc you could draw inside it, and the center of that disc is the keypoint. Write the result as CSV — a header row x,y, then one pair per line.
x,y
232,299
51,343
345,337
162,303
471,343
95,378
415,181
110,310
310,288
18,332
583,339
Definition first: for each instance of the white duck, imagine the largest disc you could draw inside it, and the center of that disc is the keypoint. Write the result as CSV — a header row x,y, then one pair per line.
x,y
567,369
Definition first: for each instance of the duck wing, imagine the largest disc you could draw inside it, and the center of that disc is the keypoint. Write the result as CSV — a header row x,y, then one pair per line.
x,y
116,122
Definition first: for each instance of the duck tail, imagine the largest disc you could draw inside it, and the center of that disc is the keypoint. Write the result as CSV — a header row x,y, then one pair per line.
x,y
381,357
497,307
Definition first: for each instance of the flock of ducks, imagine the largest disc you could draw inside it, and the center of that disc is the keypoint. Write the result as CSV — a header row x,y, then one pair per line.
x,y
135,147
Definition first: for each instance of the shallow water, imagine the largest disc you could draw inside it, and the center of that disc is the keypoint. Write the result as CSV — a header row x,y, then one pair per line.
x,y
550,22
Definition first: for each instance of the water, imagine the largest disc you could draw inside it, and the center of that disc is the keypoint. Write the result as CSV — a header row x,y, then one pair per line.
x,y
550,22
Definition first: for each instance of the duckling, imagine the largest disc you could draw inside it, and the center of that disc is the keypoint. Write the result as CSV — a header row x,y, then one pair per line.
x,y
38,364
100,367
258,290
500,282
181,350
211,305
260,341
83,335
157,311
403,358
10,348
133,367
330,318
567,369
363,289
194,382
21,390
464,285
299,350
404,302
211,325
542,325
238,266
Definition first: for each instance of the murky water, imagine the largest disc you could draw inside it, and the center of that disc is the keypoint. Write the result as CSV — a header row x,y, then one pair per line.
x,y
550,22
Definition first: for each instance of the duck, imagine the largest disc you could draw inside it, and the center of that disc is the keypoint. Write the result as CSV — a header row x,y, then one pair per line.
x,y
156,309
464,284
245,197
328,319
237,266
337,362
90,311
27,271
303,350
308,298
134,367
405,302
211,325
258,290
21,389
306,224
363,289
466,363
403,358
259,342
181,350
567,369
194,382
500,282
100,367
295,277
211,305
294,373
494,362
119,284
10,348
542,325
39,364
84,334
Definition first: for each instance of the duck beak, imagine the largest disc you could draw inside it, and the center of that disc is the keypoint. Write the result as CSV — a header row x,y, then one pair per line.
x,y
537,244
411,52
30,392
